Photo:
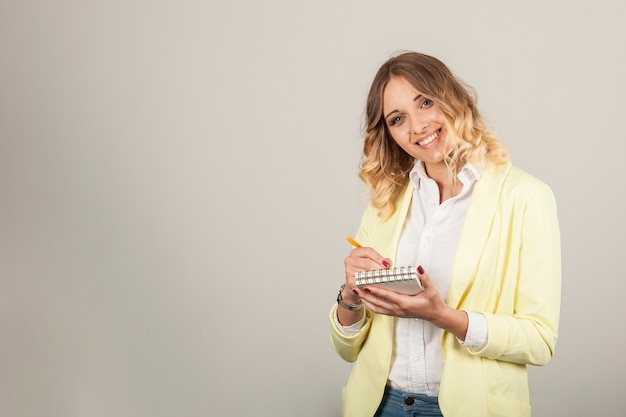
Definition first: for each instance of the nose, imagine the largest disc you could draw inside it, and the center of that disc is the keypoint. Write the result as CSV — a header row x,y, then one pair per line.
x,y
418,125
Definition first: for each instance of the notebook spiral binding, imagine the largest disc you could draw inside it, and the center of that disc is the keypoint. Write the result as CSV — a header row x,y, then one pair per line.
x,y
381,276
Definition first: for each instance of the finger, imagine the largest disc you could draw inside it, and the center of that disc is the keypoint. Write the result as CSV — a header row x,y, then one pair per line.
x,y
380,296
366,258
424,277
377,304
391,303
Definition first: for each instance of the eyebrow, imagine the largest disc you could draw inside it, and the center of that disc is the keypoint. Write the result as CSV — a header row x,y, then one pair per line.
x,y
417,97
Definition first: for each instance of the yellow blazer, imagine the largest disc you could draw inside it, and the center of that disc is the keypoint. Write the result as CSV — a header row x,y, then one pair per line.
x,y
507,267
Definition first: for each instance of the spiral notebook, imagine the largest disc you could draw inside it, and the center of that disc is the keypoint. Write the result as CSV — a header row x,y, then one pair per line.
x,y
402,279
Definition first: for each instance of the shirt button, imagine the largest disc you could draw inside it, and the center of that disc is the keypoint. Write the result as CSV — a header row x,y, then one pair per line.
x,y
409,400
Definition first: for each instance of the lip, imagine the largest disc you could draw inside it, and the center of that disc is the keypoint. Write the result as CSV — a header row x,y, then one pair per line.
x,y
430,138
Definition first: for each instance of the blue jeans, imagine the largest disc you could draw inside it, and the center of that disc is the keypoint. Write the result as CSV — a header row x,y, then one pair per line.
x,y
405,404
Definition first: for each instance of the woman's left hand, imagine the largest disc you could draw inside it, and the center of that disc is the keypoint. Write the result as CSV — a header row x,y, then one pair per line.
x,y
427,305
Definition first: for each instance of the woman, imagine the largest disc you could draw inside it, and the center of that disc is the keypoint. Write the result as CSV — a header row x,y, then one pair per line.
x,y
485,235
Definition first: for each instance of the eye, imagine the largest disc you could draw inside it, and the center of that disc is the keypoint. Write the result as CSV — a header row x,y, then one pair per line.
x,y
426,103
394,121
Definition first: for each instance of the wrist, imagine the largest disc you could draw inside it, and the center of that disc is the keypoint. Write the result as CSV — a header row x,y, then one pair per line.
x,y
453,321
347,303
349,296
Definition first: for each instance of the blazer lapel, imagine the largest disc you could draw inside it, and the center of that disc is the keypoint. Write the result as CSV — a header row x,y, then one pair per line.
x,y
476,227
389,231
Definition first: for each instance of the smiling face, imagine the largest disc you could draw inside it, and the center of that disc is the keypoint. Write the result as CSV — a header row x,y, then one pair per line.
x,y
415,123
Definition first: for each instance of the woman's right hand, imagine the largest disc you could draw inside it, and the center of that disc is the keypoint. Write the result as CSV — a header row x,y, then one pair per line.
x,y
361,259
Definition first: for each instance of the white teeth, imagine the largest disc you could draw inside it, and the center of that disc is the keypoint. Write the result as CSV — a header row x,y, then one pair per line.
x,y
428,139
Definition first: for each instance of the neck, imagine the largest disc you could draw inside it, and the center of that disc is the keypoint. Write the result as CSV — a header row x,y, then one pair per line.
x,y
447,187
438,172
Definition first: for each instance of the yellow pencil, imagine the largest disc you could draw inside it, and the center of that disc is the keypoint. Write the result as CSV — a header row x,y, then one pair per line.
x,y
354,242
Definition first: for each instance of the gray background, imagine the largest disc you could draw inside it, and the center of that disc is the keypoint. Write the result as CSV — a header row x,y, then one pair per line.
x,y
177,179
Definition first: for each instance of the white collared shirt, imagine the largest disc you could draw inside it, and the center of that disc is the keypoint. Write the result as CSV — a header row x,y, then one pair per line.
x,y
429,238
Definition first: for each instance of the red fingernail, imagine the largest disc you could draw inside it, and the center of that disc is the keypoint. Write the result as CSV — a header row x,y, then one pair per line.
x,y
367,290
355,291
386,264
420,269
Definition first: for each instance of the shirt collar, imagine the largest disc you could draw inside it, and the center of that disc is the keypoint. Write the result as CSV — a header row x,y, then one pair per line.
x,y
468,174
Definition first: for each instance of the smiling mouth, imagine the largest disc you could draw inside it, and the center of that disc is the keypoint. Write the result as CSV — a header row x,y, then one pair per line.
x,y
429,139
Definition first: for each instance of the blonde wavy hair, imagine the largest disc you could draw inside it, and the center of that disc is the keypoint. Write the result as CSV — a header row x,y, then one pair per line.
x,y
385,165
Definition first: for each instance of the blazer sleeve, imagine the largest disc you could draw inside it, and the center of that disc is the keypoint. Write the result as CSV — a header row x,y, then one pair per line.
x,y
348,347
529,334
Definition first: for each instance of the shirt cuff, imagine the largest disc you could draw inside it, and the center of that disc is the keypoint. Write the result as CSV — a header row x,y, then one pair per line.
x,y
477,331
353,328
